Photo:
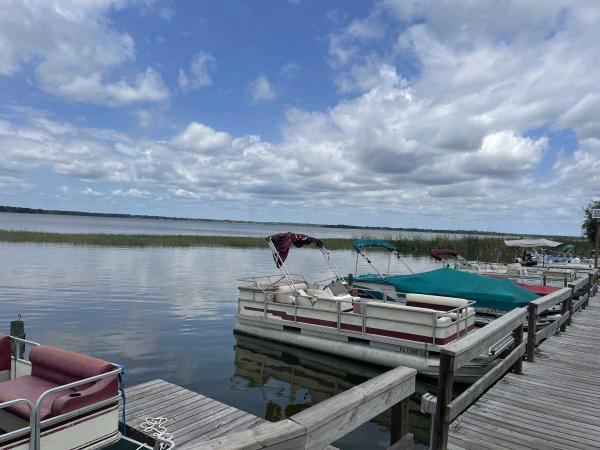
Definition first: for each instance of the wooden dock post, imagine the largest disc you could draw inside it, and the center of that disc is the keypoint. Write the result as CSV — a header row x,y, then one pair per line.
x,y
444,396
518,337
399,435
589,290
531,330
569,303
17,329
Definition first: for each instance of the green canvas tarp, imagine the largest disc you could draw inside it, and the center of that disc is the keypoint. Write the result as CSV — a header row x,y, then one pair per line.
x,y
488,292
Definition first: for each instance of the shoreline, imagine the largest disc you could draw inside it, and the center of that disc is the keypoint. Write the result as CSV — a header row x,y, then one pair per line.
x,y
485,248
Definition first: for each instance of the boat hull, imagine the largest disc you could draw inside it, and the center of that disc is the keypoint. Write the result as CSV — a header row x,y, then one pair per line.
x,y
384,354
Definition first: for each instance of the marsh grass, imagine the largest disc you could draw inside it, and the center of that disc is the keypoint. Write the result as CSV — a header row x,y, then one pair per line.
x,y
487,248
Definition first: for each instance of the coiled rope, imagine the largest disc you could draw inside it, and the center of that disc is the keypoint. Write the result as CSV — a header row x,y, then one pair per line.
x,y
156,427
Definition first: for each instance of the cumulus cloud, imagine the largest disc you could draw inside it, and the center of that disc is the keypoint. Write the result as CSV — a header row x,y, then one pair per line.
x,y
198,137
261,91
73,47
505,153
199,73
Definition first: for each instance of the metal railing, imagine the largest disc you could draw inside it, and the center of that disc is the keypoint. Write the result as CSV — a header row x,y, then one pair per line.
x,y
21,431
36,411
459,316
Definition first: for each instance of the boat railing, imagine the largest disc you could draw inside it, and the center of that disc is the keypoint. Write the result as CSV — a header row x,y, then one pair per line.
x,y
461,313
459,316
264,281
19,347
21,431
38,424
455,355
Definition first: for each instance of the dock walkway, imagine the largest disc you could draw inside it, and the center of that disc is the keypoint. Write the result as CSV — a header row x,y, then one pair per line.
x,y
191,416
552,405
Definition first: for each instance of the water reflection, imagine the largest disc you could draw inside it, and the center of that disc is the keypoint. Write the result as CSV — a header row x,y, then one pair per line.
x,y
291,379
169,313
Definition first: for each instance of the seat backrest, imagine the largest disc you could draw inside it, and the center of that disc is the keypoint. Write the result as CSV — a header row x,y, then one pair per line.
x,y
61,366
5,352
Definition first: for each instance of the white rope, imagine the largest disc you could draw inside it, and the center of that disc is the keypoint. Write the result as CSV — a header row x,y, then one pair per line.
x,y
156,427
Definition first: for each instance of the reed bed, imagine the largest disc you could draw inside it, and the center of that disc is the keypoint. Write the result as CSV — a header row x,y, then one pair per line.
x,y
485,248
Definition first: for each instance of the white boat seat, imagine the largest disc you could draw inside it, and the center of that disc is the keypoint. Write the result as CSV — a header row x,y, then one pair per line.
x,y
436,302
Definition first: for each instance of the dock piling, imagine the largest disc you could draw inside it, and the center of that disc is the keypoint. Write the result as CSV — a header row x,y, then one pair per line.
x,y
17,329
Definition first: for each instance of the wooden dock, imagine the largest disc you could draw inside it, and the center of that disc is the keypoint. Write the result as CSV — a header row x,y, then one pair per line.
x,y
191,416
196,421
547,402
553,404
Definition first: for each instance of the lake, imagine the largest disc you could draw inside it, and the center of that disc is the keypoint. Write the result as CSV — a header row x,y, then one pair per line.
x,y
115,225
168,313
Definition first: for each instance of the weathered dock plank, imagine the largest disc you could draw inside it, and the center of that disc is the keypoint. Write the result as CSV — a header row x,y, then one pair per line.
x,y
190,415
552,405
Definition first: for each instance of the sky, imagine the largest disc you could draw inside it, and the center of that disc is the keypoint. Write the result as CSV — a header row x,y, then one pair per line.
x,y
397,113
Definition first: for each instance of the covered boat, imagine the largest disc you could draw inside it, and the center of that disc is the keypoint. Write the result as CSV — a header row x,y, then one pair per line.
x,y
493,296
492,293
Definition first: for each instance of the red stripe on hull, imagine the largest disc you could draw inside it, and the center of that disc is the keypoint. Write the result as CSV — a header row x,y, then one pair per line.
x,y
375,331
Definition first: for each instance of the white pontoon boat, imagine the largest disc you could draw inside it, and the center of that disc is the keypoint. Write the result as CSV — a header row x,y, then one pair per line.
x,y
328,318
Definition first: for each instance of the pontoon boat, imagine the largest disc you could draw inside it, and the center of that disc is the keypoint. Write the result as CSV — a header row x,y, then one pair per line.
x,y
493,297
330,318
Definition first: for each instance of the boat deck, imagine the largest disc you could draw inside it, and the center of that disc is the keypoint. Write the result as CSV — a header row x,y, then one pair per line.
x,y
191,416
552,405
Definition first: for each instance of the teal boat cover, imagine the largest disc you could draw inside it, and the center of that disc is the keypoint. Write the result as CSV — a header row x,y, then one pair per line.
x,y
497,293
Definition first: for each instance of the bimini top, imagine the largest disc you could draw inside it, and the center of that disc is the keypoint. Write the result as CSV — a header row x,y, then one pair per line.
x,y
365,243
530,243
439,253
487,292
283,241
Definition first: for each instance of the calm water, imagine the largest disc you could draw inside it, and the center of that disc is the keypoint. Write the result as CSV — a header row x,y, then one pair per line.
x,y
168,313
112,225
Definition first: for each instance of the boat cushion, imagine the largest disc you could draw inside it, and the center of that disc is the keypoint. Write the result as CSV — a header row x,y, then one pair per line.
x,y
61,366
436,302
31,388
5,352
52,367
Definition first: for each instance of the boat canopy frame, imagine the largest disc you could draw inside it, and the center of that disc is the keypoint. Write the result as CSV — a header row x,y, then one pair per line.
x,y
360,244
280,260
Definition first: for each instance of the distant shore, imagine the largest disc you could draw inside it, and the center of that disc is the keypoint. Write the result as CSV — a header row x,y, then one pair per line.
x,y
486,248
21,210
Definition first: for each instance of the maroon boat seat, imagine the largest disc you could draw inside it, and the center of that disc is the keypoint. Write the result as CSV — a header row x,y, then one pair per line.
x,y
52,367
4,352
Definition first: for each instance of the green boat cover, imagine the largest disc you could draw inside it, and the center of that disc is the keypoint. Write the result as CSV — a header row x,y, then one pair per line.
x,y
497,293
365,243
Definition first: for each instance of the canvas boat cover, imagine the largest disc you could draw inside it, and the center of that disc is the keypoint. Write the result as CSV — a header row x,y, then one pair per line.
x,y
283,242
531,243
487,292
366,243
